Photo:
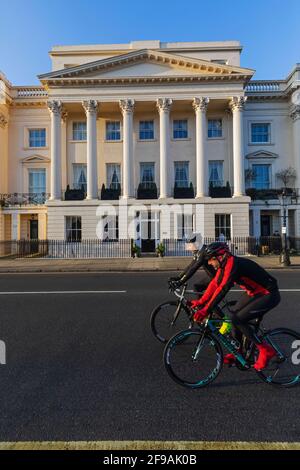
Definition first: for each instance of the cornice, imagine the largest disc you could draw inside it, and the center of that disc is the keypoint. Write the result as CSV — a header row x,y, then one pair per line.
x,y
29,104
260,98
62,82
125,50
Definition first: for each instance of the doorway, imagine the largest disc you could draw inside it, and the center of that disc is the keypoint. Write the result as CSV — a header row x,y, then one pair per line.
x,y
266,225
34,229
149,231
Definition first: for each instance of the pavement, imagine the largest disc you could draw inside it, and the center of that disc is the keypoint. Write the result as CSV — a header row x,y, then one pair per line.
x,y
83,369
31,265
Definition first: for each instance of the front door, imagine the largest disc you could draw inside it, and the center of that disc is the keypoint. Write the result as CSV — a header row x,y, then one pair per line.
x,y
265,225
149,223
34,229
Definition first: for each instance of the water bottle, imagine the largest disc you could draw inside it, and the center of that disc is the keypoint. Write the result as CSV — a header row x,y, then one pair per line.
x,y
225,327
225,330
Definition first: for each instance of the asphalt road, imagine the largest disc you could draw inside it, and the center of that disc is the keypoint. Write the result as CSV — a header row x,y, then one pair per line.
x,y
84,366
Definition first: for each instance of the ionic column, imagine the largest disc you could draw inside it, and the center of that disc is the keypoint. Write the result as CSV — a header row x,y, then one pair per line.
x,y
127,108
2,230
42,226
164,107
55,108
91,108
256,222
200,107
295,115
237,105
64,165
15,226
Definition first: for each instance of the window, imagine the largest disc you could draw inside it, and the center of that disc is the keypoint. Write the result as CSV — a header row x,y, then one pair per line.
x,y
181,174
146,131
79,130
79,177
222,227
37,181
37,137
184,226
260,133
261,176
111,228
73,228
215,169
147,174
113,175
180,129
113,130
214,128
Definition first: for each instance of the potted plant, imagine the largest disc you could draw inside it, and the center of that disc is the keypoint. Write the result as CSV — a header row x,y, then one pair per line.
x,y
160,250
136,251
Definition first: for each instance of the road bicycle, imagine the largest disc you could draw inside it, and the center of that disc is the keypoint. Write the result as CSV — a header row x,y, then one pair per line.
x,y
173,315
194,357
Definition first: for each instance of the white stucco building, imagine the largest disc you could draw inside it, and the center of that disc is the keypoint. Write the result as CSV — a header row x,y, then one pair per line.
x,y
148,123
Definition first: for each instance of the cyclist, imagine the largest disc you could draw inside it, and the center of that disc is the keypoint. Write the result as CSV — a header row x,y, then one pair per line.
x,y
197,262
261,295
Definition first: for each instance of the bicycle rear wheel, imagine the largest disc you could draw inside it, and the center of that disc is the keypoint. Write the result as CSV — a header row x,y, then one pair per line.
x,y
284,370
162,320
188,370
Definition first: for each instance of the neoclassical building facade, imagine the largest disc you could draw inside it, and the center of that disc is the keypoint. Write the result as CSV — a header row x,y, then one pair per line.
x,y
149,126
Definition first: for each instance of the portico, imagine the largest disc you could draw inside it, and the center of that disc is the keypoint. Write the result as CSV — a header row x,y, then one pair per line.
x,y
60,113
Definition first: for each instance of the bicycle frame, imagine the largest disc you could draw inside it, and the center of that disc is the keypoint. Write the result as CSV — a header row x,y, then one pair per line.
x,y
182,301
229,345
210,324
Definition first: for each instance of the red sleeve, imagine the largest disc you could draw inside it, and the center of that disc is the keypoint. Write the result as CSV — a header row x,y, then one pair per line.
x,y
209,290
218,292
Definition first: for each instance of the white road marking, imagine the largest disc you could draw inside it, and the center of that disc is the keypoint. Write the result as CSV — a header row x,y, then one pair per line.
x,y
65,292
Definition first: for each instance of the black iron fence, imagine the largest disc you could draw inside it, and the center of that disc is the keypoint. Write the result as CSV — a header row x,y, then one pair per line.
x,y
258,246
63,249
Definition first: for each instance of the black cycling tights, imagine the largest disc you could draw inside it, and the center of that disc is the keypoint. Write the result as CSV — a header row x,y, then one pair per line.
x,y
249,308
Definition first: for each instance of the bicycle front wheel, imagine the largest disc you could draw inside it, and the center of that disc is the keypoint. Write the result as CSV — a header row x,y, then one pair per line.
x,y
163,322
284,370
193,358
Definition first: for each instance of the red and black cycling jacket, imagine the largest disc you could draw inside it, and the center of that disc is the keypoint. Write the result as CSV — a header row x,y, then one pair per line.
x,y
241,271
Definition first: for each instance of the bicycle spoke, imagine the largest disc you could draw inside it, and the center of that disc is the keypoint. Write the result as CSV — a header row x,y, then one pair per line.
x,y
165,322
282,370
190,362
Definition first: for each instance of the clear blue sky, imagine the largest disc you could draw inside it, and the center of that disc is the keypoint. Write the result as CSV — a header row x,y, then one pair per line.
x,y
267,29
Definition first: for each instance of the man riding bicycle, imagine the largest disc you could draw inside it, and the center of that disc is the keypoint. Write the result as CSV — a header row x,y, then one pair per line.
x,y
261,294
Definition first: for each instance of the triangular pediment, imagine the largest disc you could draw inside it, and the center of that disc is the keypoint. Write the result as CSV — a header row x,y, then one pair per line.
x,y
146,64
35,159
260,154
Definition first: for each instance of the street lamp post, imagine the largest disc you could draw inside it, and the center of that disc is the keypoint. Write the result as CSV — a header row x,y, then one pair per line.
x,y
285,256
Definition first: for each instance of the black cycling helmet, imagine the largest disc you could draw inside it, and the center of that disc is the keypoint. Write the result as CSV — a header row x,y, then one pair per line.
x,y
216,249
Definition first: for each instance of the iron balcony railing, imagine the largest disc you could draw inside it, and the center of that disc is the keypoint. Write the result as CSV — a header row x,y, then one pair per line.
x,y
23,199
272,194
